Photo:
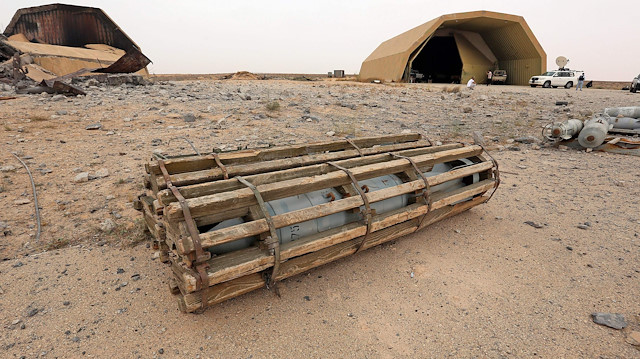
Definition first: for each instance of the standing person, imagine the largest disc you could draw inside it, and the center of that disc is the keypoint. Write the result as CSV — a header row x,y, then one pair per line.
x,y
489,77
471,84
580,82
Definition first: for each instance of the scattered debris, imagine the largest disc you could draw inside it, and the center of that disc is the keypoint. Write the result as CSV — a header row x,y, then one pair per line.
x,y
526,140
81,177
31,311
189,117
51,87
102,173
107,226
534,225
94,126
611,320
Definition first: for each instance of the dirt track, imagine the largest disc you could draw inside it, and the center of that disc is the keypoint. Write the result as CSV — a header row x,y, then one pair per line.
x,y
484,284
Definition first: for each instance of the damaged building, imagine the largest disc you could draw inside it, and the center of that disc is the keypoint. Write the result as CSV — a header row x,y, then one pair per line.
x,y
453,48
60,40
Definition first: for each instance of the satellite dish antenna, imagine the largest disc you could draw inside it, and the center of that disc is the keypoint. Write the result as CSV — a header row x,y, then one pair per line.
x,y
562,61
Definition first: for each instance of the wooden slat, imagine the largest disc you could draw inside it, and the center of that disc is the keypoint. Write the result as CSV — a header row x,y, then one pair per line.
x,y
208,205
227,290
215,173
204,189
196,163
219,217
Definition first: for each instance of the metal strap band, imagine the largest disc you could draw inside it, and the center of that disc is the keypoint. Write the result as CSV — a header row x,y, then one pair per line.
x,y
272,242
496,172
367,208
201,265
428,140
225,174
350,141
204,283
193,147
427,188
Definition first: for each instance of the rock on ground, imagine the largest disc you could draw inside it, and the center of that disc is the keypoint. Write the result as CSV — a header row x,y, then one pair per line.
x,y
611,320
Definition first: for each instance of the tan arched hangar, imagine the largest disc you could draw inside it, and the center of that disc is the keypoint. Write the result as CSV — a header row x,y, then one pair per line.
x,y
453,48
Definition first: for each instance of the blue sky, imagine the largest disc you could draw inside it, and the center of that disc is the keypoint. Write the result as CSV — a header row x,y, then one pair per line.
x,y
197,36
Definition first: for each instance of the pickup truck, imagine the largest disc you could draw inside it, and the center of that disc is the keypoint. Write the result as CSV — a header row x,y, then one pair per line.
x,y
499,77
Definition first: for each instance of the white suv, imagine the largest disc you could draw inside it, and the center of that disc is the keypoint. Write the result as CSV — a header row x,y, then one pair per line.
x,y
555,78
635,84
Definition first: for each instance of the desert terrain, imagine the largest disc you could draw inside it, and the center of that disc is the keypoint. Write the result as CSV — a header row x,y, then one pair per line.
x,y
483,284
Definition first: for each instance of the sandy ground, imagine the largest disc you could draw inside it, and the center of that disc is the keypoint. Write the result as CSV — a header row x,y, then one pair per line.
x,y
482,284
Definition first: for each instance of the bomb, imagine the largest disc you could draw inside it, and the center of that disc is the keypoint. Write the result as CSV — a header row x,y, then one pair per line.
x,y
594,132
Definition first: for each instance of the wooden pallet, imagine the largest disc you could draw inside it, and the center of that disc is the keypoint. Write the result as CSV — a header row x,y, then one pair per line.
x,y
207,198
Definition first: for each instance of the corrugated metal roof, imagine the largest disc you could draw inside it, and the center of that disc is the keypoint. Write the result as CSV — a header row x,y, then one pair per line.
x,y
68,25
509,37
509,42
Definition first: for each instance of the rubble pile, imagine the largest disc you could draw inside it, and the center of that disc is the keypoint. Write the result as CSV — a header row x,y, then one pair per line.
x,y
46,59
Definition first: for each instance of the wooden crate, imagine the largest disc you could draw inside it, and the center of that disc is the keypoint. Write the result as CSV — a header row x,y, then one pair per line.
x,y
200,279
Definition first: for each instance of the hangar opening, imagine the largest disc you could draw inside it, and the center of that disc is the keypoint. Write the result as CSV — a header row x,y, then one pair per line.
x,y
453,48
439,61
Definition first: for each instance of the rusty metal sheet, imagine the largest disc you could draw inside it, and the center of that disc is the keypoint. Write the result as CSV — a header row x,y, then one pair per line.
x,y
132,61
77,26
6,50
612,144
624,147
66,89
68,25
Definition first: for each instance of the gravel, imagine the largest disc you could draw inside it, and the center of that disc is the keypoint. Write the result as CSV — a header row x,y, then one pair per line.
x,y
496,289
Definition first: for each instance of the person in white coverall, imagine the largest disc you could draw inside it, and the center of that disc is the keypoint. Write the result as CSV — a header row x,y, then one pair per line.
x,y
471,84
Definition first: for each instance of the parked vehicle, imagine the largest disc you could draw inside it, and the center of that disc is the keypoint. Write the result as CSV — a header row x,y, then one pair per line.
x,y
635,84
416,76
499,77
556,78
